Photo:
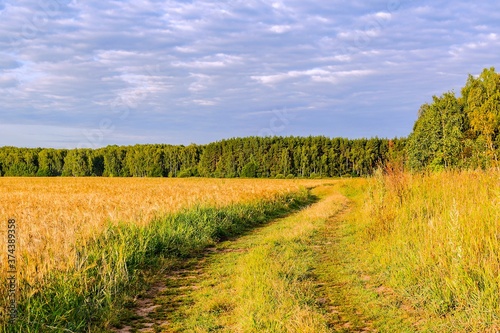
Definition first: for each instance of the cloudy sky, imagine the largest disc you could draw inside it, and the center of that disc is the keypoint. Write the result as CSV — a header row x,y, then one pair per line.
x,y
92,73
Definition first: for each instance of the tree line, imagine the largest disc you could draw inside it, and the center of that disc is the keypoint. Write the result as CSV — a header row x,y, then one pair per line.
x,y
261,157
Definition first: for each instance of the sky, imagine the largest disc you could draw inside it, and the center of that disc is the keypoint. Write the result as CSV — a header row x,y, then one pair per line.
x,y
94,73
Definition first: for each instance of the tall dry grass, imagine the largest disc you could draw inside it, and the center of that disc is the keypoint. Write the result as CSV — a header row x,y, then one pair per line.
x,y
435,239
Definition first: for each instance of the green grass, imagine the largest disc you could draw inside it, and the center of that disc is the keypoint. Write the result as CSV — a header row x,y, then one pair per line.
x,y
262,282
415,253
109,269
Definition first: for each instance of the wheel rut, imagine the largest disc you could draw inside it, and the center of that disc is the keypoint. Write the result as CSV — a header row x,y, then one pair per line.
x,y
157,310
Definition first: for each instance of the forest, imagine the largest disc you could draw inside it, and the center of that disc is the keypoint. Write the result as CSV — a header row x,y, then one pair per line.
x,y
252,157
450,132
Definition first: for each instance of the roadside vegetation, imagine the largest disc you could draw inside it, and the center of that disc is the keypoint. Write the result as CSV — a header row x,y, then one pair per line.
x,y
433,240
394,253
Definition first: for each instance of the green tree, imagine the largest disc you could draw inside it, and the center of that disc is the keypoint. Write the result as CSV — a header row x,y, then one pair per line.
x,y
114,161
436,140
19,161
481,98
249,170
78,163
51,162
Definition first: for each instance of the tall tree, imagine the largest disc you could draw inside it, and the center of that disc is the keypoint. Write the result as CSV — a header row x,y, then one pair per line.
x,y
436,140
481,98
51,162
78,163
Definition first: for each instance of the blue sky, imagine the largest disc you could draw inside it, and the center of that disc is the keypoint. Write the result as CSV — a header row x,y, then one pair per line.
x,y
92,73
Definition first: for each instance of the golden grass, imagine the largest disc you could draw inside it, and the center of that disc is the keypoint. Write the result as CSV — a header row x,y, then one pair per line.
x,y
435,239
53,214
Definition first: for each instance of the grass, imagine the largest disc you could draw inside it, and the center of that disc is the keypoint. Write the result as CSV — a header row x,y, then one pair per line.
x,y
432,243
356,300
264,281
88,295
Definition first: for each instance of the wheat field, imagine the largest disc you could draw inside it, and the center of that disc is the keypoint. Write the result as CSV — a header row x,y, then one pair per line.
x,y
79,241
52,214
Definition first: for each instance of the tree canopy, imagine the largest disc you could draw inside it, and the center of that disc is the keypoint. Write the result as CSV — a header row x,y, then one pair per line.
x,y
459,132
238,157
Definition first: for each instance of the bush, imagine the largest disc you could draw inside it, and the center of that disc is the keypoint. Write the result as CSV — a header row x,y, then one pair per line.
x,y
249,170
184,173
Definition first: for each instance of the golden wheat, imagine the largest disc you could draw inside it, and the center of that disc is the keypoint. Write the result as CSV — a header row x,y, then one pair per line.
x,y
52,214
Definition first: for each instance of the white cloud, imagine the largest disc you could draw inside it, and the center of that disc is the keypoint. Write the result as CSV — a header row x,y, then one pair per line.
x,y
279,29
199,64
186,49
336,58
204,102
383,15
423,10
217,61
316,75
202,82
481,42
355,35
